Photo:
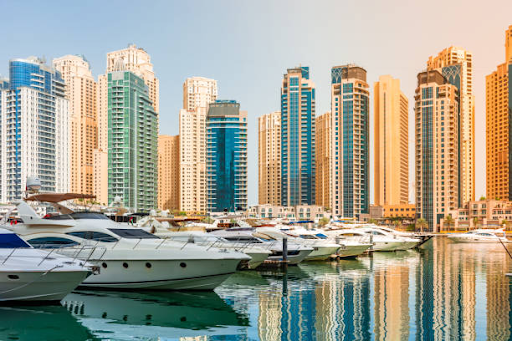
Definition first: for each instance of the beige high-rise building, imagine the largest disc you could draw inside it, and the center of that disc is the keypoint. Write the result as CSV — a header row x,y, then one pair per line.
x,y
497,108
456,65
192,142
323,160
81,93
269,158
437,147
138,61
168,172
391,145
199,92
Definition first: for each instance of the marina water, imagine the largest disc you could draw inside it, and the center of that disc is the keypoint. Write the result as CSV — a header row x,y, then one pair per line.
x,y
447,292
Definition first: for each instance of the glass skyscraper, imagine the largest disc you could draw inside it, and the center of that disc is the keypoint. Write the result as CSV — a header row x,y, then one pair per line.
x,y
297,138
35,129
350,136
132,142
226,157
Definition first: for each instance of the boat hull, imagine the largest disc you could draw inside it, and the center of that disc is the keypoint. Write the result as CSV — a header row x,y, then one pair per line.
x,y
293,259
322,253
352,250
257,259
39,285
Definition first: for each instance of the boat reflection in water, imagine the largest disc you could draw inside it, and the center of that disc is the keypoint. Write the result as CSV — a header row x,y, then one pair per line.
x,y
123,315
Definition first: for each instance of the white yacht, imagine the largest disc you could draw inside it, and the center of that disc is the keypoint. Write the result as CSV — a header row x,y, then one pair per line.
x,y
381,240
322,249
480,236
129,258
295,254
28,274
258,254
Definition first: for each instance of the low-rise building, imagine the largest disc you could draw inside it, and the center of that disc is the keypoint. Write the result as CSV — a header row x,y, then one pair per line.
x,y
300,212
393,211
481,214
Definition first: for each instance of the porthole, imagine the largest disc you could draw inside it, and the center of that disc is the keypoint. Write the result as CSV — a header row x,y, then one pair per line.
x,y
13,276
104,265
183,265
125,265
148,265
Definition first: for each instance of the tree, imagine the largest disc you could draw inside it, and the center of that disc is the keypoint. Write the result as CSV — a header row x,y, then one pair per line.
x,y
421,223
397,223
323,221
372,221
475,222
504,222
448,220
208,220
482,198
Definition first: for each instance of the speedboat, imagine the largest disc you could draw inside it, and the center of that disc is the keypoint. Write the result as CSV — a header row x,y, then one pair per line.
x,y
28,274
381,240
258,254
322,248
348,247
480,236
296,253
129,257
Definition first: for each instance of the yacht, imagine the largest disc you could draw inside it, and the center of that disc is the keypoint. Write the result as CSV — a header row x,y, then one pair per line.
x,y
129,257
28,274
258,254
381,240
480,236
347,248
322,249
295,253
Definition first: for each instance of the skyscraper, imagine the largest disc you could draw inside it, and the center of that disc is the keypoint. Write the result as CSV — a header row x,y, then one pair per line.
x,y
193,160
391,142
437,147
226,157
297,138
34,140
81,93
132,142
456,65
198,92
269,158
498,109
168,172
323,160
350,141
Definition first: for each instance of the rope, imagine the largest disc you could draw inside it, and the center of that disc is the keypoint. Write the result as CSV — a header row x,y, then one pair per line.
x,y
26,284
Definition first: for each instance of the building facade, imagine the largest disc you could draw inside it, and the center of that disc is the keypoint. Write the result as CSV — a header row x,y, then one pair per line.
x,y
300,212
323,137
192,160
269,158
498,129
437,147
132,142
297,138
391,142
456,65
350,141
82,94
488,213
168,172
226,157
198,92
35,129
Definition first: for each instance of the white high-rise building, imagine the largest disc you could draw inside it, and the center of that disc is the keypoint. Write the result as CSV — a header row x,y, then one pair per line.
x,y
199,92
35,129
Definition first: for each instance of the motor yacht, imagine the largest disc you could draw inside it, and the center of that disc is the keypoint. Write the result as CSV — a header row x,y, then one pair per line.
x,y
129,257
480,236
258,254
28,274
322,249
381,240
296,253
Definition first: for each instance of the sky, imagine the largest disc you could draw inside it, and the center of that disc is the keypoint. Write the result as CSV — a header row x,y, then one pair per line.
x,y
247,47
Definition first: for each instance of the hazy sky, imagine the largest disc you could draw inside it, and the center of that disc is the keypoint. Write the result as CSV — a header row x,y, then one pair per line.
x,y
247,46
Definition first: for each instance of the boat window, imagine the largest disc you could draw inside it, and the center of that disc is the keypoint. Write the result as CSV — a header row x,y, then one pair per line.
x,y
245,239
52,242
93,235
88,215
320,235
307,236
485,234
376,233
134,234
11,241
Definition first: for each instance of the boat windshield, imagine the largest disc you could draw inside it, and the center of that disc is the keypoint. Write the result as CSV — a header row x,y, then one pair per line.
x,y
307,236
12,241
133,234
321,235
77,215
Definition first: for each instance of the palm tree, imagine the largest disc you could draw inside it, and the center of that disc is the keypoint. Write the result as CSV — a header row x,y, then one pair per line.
x,y
397,223
372,221
323,221
475,222
448,220
421,223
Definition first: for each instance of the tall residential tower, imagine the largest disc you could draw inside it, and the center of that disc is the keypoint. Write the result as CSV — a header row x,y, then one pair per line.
x,y
350,169
168,172
269,159
323,160
391,141
297,138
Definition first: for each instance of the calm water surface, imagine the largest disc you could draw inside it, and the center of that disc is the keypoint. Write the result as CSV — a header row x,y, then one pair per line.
x,y
450,292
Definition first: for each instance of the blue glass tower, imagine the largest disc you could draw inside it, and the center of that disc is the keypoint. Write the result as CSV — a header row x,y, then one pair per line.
x,y
351,150
297,138
35,116
226,157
